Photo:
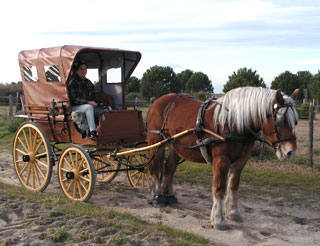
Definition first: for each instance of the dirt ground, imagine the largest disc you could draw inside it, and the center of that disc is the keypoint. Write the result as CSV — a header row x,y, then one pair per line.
x,y
266,220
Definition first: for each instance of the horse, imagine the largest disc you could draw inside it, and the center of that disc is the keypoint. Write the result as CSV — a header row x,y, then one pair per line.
x,y
222,133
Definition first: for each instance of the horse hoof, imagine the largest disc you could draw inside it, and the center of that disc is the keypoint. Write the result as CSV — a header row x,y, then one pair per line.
x,y
221,227
160,199
171,200
234,217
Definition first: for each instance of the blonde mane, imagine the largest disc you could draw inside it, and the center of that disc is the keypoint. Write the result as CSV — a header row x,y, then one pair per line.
x,y
246,108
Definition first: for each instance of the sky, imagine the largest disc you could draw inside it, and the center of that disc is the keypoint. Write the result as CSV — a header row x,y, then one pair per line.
x,y
211,36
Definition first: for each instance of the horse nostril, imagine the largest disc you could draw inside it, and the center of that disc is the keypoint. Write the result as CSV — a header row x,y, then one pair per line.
x,y
289,154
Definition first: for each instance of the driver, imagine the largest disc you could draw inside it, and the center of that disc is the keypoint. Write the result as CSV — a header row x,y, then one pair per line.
x,y
82,96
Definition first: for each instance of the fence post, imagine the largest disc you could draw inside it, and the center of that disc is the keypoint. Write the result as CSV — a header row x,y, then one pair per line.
x,y
311,134
11,105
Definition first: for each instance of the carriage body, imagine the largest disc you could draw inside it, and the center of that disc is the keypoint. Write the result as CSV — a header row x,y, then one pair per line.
x,y
45,73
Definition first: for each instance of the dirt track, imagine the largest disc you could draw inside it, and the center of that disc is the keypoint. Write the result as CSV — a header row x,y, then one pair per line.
x,y
266,220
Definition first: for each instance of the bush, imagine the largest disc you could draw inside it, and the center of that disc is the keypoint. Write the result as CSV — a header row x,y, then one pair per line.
x,y
201,95
132,96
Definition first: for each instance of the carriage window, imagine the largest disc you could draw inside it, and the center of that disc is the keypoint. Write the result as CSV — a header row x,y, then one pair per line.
x,y
52,73
93,75
114,75
30,73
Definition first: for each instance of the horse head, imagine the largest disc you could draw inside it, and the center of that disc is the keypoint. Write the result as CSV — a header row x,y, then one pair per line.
x,y
279,128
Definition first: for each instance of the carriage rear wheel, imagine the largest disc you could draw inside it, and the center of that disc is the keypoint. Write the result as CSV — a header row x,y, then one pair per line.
x,y
76,173
139,178
32,157
103,164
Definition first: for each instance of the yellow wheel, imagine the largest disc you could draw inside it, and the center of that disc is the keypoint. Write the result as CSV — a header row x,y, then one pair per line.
x,y
76,173
101,163
139,178
32,157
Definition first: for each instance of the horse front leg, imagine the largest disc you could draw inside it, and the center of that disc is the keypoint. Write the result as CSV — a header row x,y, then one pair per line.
x,y
220,168
231,201
155,169
167,183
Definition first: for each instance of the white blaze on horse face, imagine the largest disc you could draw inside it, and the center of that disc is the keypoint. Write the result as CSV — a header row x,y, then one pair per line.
x,y
285,150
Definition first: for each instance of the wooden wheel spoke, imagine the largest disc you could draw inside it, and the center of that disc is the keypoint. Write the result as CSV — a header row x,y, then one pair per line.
x,y
29,172
21,152
83,186
84,170
65,170
22,143
39,169
71,159
42,163
26,138
79,189
34,142
69,186
134,173
23,169
38,146
74,190
84,178
40,154
33,177
139,178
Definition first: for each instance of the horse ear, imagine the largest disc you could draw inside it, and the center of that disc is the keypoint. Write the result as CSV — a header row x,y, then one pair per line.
x,y
279,98
294,94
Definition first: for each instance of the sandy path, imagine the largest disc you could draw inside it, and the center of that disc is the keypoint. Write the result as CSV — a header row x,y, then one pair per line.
x,y
266,220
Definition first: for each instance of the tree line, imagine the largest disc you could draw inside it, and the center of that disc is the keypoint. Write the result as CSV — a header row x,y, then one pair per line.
x,y
160,80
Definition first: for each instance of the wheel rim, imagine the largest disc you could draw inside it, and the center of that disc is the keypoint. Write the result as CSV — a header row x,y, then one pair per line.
x,y
138,178
76,174
31,157
105,165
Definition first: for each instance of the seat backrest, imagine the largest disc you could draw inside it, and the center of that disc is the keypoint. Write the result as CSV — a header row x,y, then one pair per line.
x,y
105,98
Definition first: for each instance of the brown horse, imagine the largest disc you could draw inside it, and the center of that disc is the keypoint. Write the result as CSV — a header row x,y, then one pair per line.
x,y
236,118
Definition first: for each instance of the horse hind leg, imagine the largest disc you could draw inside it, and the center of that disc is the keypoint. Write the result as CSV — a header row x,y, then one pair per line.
x,y
169,170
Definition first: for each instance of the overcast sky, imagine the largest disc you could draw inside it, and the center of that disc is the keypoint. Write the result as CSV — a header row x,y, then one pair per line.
x,y
211,36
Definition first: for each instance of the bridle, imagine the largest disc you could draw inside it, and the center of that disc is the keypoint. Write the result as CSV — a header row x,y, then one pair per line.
x,y
275,113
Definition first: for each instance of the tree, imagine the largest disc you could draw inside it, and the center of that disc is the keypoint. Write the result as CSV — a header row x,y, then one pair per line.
x,y
183,78
314,86
157,81
199,82
133,85
304,78
286,82
243,77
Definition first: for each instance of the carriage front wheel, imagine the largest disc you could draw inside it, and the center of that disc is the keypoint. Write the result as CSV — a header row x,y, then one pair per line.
x,y
32,157
76,173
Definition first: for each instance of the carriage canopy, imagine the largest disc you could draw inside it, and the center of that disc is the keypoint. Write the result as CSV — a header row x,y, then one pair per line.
x,y
45,71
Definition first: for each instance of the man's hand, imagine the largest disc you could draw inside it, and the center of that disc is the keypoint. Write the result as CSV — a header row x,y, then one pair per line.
x,y
92,103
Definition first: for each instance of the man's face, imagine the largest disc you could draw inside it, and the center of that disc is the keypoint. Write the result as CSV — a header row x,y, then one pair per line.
x,y
82,71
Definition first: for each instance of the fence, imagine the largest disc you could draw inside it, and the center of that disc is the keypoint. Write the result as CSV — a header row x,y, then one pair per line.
x,y
11,101
18,102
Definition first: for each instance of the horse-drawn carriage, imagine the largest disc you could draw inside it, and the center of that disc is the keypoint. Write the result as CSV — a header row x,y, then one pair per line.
x,y
37,144
220,132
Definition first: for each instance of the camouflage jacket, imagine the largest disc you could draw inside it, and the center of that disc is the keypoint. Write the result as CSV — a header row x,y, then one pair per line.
x,y
80,90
